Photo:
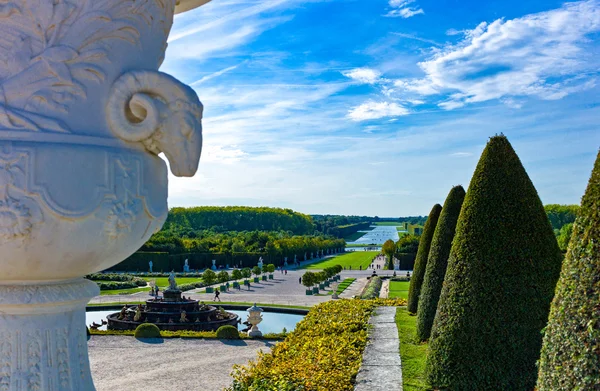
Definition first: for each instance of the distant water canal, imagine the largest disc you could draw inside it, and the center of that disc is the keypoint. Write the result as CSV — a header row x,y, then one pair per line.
x,y
378,235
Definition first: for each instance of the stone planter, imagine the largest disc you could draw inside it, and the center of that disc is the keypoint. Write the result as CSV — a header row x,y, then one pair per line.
x,y
264,278
322,286
271,277
210,290
315,290
85,114
223,288
256,280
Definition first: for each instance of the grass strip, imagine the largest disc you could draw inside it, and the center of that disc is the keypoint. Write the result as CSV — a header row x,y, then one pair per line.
x,y
413,353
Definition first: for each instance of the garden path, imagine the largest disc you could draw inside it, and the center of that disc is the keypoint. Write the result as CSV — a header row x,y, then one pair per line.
x,y
381,368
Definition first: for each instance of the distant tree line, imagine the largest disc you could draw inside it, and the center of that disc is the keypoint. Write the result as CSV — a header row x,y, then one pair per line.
x,y
238,218
562,218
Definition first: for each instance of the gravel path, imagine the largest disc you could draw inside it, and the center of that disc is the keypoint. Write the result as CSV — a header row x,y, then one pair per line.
x,y
126,364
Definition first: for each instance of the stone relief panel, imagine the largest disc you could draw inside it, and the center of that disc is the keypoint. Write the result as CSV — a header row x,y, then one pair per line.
x,y
54,51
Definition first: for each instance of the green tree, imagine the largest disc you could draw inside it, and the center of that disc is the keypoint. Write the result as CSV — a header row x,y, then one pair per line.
x,y
559,215
438,261
209,277
564,236
256,271
503,267
408,244
414,290
223,276
246,272
570,357
389,249
308,279
236,274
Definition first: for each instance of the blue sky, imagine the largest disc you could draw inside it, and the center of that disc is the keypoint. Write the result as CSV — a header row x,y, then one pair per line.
x,y
379,107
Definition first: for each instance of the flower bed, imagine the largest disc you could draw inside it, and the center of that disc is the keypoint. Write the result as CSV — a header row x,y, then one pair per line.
x,y
324,352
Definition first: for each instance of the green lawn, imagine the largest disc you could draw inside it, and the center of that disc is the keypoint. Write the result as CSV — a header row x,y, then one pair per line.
x,y
388,223
344,284
412,352
354,259
399,289
354,236
163,282
124,291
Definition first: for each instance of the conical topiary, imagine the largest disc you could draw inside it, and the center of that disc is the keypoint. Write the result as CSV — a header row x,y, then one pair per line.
x,y
438,261
503,267
570,358
421,260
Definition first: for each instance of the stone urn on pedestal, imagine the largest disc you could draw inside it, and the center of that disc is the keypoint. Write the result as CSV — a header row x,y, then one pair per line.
x,y
254,318
84,113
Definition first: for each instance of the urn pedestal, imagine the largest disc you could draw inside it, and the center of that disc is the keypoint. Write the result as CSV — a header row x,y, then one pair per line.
x,y
84,113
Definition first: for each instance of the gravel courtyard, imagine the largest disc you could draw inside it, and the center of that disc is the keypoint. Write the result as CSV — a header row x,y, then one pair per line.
x,y
127,364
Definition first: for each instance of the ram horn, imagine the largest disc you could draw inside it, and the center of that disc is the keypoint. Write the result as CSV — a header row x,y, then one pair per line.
x,y
138,102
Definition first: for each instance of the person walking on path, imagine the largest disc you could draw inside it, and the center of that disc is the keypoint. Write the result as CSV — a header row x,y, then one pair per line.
x,y
300,280
217,293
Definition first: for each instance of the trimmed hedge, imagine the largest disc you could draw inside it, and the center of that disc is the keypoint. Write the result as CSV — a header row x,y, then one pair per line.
x,y
147,330
373,288
438,261
228,332
570,358
324,352
421,260
503,267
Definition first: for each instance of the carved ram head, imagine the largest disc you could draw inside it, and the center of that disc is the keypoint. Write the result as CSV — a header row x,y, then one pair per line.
x,y
160,112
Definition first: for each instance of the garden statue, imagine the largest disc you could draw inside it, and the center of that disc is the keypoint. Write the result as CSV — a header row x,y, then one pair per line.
x,y
312,255
295,259
186,267
285,261
138,314
260,263
123,312
172,282
150,264
183,318
84,115
214,264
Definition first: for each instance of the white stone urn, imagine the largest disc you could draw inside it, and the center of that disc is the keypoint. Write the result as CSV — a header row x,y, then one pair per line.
x,y
254,318
84,112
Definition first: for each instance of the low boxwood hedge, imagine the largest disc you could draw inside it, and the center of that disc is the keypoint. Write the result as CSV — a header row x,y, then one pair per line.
x,y
373,288
228,332
147,330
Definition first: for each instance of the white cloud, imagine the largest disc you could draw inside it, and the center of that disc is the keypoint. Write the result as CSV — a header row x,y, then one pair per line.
x,y
401,8
376,110
541,55
363,75
461,154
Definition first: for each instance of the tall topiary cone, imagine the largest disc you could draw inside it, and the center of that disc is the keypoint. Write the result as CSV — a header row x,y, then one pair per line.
x,y
503,267
570,358
421,260
438,261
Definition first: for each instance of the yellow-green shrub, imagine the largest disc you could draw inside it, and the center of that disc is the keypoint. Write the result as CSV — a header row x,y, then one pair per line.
x,y
324,352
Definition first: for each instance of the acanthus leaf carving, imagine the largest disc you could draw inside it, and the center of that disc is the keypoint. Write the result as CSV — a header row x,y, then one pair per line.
x,y
51,47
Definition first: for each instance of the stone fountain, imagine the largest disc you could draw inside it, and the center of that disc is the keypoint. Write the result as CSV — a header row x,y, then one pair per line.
x,y
172,312
84,112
